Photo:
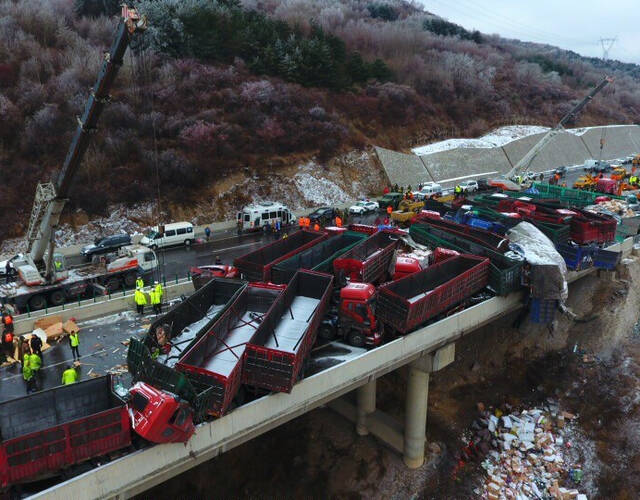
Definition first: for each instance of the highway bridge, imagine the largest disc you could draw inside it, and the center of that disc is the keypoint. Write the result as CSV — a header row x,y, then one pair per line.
x,y
426,350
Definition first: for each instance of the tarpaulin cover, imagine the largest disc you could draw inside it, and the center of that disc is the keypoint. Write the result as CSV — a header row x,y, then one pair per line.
x,y
548,268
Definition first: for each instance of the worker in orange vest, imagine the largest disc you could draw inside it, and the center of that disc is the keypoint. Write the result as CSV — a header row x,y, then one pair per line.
x,y
300,222
307,221
316,227
338,221
389,209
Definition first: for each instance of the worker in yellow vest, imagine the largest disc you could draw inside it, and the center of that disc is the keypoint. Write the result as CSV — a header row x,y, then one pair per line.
x,y
74,342
156,301
140,299
27,372
139,282
69,376
159,290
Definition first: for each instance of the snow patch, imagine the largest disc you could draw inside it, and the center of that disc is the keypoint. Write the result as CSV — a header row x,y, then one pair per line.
x,y
496,138
318,190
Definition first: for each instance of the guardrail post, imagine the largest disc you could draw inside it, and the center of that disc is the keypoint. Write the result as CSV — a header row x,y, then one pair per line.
x,y
176,278
94,295
124,290
28,311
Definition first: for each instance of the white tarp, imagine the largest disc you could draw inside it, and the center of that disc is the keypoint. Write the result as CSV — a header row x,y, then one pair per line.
x,y
539,251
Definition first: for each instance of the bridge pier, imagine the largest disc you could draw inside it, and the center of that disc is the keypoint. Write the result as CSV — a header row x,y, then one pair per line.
x,y
366,404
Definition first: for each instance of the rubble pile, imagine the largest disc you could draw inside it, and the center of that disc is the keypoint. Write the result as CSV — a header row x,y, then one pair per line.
x,y
525,455
618,207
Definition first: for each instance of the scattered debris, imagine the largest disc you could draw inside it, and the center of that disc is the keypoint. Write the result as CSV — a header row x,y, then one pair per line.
x,y
523,454
125,342
118,370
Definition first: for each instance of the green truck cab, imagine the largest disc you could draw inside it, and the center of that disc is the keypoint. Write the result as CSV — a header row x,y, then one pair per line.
x,y
392,199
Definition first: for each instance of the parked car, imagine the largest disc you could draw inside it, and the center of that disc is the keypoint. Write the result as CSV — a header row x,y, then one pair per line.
x,y
469,186
105,245
322,215
363,207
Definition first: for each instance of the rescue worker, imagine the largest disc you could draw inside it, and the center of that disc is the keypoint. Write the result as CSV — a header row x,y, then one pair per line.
x,y
69,376
207,233
300,222
36,345
218,260
284,236
139,282
338,221
155,297
457,191
395,188
159,290
8,271
140,299
316,227
389,210
74,342
58,265
27,373
35,362
385,190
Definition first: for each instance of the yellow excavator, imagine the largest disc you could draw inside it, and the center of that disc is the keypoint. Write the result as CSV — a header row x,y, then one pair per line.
x,y
407,209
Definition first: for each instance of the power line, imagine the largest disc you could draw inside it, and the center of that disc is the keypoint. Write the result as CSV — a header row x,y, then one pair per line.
x,y
606,44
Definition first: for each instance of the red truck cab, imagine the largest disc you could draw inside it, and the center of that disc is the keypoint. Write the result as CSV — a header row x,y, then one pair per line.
x,y
405,266
159,416
357,316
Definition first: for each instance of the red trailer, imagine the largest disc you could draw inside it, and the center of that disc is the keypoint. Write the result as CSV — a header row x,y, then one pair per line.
x,y
274,358
368,262
48,431
481,236
256,265
216,359
590,227
409,302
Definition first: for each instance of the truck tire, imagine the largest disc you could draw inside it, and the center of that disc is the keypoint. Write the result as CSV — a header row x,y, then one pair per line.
x,y
326,332
113,284
356,338
37,302
130,280
57,298
187,243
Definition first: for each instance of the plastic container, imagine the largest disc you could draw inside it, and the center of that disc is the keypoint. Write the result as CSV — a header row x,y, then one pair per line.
x,y
543,310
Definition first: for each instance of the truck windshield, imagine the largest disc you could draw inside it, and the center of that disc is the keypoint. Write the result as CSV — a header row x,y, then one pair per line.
x,y
152,235
139,402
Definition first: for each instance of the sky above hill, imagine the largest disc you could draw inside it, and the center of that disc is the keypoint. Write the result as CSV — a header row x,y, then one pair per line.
x,y
576,25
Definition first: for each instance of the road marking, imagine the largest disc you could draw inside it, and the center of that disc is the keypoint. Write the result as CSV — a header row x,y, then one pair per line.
x,y
55,364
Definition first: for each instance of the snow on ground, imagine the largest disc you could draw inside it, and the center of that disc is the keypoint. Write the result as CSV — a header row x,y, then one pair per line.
x,y
582,130
318,190
121,219
495,138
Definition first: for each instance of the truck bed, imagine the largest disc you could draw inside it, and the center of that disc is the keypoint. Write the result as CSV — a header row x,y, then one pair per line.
x,y
406,303
275,357
369,260
48,430
216,358
320,257
256,265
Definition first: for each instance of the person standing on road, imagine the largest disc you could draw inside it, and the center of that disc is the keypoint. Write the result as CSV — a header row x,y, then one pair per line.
x,y
156,301
140,300
27,373
159,290
36,346
207,233
69,376
74,343
35,362
139,282
389,210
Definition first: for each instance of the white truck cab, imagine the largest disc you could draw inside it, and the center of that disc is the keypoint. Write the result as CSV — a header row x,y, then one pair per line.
x,y
258,215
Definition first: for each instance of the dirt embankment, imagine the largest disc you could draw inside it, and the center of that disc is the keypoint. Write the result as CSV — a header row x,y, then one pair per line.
x,y
591,366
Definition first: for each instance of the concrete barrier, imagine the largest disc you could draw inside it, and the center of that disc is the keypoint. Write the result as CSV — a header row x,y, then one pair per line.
x,y
564,149
465,161
103,305
619,141
402,169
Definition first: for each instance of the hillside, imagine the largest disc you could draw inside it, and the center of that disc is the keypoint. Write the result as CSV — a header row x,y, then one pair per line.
x,y
221,101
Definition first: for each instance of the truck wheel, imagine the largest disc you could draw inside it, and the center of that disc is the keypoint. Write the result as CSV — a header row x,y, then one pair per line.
x,y
187,243
130,280
355,338
154,247
37,302
326,332
113,285
57,298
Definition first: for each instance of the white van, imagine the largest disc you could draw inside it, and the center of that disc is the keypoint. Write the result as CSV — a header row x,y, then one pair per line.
x,y
177,233
259,215
428,190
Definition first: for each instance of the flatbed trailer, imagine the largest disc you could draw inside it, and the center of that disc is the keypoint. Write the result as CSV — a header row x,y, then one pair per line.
x,y
48,431
274,359
216,359
82,282
320,257
256,265
409,302
368,261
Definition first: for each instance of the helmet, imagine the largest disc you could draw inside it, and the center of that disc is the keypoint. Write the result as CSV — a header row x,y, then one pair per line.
x,y
155,282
